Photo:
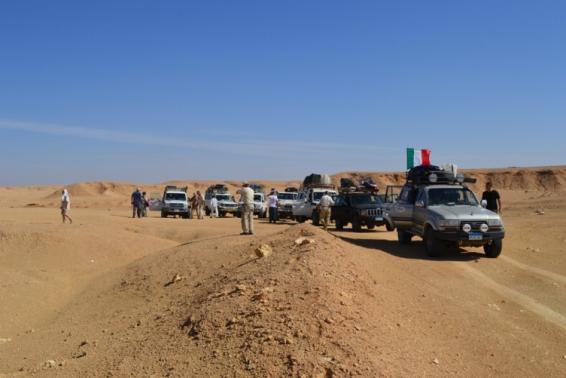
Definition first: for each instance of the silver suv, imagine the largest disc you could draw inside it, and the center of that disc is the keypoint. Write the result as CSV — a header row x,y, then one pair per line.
x,y
445,215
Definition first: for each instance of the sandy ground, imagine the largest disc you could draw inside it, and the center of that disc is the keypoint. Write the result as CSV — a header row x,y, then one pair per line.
x,y
98,298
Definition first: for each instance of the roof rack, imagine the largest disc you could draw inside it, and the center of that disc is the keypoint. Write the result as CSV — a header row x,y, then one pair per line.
x,y
422,175
169,188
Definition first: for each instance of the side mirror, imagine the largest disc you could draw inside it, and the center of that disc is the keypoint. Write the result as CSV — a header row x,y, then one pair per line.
x,y
419,203
483,203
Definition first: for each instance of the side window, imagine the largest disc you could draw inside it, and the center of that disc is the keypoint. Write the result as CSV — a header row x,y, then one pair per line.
x,y
340,201
407,195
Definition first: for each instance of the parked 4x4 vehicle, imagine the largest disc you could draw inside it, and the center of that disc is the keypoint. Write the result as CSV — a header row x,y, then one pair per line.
x,y
440,209
361,208
305,207
285,205
175,202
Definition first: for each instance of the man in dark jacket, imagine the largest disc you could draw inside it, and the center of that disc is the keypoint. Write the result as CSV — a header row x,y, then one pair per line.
x,y
137,203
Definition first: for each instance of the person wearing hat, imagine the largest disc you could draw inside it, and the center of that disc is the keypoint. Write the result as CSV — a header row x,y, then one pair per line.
x,y
247,198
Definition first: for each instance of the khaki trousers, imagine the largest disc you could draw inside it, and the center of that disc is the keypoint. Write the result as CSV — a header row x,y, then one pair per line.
x,y
248,219
325,216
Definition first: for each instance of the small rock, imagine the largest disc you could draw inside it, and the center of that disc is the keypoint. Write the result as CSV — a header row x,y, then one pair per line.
x,y
80,354
357,328
50,363
83,343
263,250
329,320
5,340
435,361
304,241
539,211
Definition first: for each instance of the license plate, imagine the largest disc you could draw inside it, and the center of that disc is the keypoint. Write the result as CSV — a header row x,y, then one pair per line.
x,y
475,236
378,219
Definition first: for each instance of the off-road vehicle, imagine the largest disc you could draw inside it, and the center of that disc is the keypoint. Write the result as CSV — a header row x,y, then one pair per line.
x,y
260,207
175,202
285,205
436,205
360,208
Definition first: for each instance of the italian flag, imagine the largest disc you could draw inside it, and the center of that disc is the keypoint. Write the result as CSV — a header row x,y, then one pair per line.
x,y
417,157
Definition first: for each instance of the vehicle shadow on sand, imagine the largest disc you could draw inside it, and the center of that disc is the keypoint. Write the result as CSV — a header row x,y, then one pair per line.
x,y
414,250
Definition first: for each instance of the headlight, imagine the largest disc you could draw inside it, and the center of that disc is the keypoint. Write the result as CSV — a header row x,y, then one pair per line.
x,y
448,223
466,228
364,212
494,222
484,227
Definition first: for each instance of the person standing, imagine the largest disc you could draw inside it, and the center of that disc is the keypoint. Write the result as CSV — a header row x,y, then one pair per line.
x,y
272,202
324,207
65,206
200,205
137,203
492,198
247,198
145,204
214,207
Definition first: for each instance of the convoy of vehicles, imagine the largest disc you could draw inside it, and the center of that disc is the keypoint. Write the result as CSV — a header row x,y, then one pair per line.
x,y
434,204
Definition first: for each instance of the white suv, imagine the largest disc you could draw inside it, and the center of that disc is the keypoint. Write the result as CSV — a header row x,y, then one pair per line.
x,y
308,199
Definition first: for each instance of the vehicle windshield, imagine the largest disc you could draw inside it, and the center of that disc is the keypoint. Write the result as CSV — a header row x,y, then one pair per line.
x,y
286,196
318,195
258,198
368,199
223,197
451,197
175,196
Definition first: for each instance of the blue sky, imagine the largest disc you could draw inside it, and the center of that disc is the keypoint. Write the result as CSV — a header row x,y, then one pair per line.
x,y
149,91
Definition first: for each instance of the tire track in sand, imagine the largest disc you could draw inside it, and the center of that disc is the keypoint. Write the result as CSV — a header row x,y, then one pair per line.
x,y
529,303
545,273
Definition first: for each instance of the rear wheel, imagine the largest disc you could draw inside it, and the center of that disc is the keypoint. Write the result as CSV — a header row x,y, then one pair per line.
x,y
163,214
315,218
300,219
433,246
404,237
356,224
494,248
186,216
222,214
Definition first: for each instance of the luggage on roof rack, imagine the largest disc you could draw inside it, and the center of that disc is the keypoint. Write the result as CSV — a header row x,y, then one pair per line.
x,y
291,189
317,180
258,188
217,189
427,174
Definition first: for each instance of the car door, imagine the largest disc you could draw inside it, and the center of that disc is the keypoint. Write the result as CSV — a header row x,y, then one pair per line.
x,y
299,205
338,209
401,212
420,212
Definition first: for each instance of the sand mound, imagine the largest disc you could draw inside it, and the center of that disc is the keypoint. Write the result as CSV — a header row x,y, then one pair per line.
x,y
291,313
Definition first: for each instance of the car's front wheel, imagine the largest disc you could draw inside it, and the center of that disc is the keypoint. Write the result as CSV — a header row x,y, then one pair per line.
x,y
356,224
339,224
433,245
494,248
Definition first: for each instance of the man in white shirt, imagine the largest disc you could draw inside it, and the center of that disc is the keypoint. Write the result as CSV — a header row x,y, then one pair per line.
x,y
247,198
324,207
272,202
214,207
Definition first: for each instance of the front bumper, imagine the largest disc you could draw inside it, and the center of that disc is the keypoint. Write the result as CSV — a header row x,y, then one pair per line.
x,y
463,238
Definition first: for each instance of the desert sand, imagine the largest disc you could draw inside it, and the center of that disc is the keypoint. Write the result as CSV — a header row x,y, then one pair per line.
x,y
115,296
